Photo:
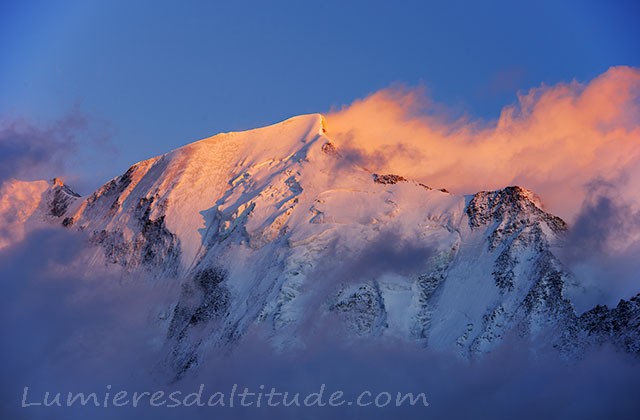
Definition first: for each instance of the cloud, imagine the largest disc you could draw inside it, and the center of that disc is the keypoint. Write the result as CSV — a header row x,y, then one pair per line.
x,y
67,329
30,150
602,247
577,145
76,332
555,140
72,148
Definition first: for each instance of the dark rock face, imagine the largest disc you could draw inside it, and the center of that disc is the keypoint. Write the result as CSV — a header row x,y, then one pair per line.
x,y
545,308
388,179
620,325
512,208
153,246
113,188
59,204
116,249
364,309
428,285
215,297
60,199
329,148
203,299
503,273
157,245
203,305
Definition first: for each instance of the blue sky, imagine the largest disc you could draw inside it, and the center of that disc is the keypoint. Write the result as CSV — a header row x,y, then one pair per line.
x,y
158,74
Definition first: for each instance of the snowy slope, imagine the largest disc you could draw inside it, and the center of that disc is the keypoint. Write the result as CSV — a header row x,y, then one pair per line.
x,y
275,228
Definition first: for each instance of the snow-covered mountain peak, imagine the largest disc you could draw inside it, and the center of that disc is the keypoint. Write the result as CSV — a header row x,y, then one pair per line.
x,y
179,191
513,203
275,227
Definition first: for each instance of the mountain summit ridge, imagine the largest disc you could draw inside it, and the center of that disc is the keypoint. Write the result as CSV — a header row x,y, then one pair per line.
x,y
275,228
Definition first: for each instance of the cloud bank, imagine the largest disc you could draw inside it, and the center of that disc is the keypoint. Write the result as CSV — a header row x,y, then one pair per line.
x,y
77,331
73,147
29,151
576,145
554,140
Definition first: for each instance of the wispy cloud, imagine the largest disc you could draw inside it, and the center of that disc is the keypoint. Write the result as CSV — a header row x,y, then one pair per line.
x,y
77,331
577,145
31,150
555,140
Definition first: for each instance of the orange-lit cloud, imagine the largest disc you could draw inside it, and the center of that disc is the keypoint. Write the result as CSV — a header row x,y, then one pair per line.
x,y
554,141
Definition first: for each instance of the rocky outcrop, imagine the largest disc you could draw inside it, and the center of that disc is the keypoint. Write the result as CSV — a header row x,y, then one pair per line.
x,y
512,208
203,304
619,326
388,179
